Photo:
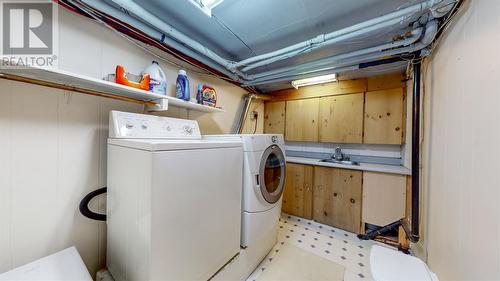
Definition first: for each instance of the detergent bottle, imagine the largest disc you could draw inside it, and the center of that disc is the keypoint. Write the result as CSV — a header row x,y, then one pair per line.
x,y
182,88
157,79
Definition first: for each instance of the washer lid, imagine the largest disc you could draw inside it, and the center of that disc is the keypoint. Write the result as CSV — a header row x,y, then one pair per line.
x,y
390,265
165,145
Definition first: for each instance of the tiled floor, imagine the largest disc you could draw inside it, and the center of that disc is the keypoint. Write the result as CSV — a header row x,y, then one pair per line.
x,y
339,246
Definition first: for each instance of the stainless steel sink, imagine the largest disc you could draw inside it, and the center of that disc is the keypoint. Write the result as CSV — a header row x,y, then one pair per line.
x,y
343,162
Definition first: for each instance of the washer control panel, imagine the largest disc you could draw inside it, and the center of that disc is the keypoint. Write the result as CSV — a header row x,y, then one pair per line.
x,y
140,126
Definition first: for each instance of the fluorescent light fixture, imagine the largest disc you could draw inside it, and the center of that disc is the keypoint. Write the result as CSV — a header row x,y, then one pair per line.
x,y
206,5
314,80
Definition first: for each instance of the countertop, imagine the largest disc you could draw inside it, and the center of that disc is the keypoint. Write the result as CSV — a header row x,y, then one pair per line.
x,y
362,166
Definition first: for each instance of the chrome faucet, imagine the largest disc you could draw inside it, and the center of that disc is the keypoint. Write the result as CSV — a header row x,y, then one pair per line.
x,y
339,156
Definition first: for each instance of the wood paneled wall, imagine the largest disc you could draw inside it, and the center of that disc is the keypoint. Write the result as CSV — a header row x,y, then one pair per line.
x,y
375,83
369,110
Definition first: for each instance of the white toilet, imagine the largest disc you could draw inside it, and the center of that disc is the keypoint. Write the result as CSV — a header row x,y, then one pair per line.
x,y
61,266
391,265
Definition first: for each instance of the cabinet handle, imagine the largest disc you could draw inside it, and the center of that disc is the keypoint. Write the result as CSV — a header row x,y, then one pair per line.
x,y
335,194
353,201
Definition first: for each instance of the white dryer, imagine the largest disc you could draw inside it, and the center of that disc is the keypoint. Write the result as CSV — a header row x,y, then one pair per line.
x,y
173,208
263,183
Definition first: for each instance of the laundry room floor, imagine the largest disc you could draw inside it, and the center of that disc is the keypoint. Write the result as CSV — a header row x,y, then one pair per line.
x,y
341,247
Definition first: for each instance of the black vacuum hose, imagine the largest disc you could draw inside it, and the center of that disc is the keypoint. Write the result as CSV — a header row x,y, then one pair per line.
x,y
84,205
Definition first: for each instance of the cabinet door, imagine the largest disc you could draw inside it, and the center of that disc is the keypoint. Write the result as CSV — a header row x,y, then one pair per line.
x,y
302,120
274,117
384,117
384,198
297,196
337,198
341,118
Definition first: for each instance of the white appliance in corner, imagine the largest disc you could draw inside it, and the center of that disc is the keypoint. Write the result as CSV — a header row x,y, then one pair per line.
x,y
61,266
263,183
173,199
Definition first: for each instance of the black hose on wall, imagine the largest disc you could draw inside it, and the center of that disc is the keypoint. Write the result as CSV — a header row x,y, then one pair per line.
x,y
84,205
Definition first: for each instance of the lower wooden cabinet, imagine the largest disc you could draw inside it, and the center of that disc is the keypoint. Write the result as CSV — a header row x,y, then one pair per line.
x,y
297,196
343,198
337,195
384,198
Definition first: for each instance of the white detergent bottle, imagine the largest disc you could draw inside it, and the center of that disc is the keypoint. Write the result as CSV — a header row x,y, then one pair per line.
x,y
157,79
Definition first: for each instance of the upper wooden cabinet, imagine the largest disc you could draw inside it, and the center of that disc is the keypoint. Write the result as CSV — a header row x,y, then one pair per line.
x,y
337,197
383,118
341,118
302,120
274,117
297,196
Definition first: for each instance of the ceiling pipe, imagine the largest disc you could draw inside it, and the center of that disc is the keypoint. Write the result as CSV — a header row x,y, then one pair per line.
x,y
430,33
329,38
153,33
169,30
416,34
196,50
149,18
338,39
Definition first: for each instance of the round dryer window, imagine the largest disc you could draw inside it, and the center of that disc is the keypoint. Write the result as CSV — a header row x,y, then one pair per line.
x,y
272,174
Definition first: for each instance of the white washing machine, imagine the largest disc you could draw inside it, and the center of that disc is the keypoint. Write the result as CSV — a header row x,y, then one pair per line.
x,y
263,183
173,206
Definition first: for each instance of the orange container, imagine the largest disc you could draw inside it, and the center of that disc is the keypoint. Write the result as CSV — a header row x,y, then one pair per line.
x,y
121,78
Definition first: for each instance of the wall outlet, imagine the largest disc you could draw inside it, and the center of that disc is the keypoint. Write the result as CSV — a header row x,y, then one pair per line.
x,y
254,115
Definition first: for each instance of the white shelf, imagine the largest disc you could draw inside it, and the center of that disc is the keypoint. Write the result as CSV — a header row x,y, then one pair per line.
x,y
106,88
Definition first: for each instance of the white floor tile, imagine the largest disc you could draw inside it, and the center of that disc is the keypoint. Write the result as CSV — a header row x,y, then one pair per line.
x,y
337,245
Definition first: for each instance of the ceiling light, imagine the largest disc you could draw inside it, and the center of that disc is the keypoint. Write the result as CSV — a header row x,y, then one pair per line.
x,y
206,5
314,80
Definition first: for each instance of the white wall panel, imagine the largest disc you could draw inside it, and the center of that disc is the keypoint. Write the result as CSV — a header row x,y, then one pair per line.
x,y
80,47
78,170
5,174
461,179
34,172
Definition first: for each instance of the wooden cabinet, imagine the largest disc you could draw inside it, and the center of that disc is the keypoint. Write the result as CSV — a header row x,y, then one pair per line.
x,y
337,195
302,120
297,196
274,117
383,118
341,118
384,198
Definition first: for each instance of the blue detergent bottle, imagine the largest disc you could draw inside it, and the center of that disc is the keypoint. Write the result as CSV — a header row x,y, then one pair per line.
x,y
182,87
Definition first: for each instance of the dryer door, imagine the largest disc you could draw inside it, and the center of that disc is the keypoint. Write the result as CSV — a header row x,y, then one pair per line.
x,y
272,174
